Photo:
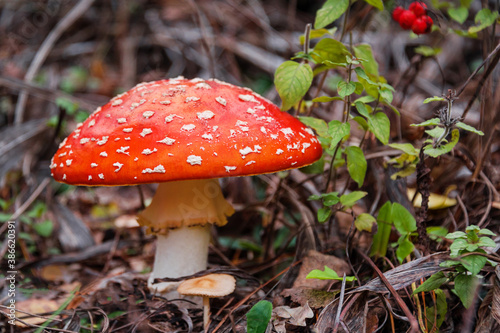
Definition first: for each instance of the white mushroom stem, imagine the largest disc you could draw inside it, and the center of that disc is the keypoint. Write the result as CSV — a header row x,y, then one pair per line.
x,y
206,312
181,214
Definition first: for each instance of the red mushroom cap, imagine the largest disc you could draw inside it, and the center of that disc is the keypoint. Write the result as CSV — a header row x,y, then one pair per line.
x,y
182,129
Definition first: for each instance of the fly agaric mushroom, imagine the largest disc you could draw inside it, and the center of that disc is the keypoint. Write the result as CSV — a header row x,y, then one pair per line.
x,y
183,134
208,286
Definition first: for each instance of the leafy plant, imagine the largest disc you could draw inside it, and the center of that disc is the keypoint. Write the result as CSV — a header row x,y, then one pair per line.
x,y
470,260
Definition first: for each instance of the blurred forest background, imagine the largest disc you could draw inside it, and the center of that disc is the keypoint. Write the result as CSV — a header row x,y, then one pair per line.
x,y
82,261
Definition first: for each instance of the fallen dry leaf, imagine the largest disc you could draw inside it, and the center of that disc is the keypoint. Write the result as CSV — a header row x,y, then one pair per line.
x,y
295,316
36,306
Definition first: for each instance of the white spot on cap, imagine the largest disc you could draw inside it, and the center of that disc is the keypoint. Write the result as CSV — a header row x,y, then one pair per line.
x,y
123,150
146,131
274,136
279,151
293,163
148,151
170,117
248,98
229,168
168,141
128,130
148,114
245,151
84,140
116,139
305,145
221,100
121,120
64,176
202,85
91,122
128,138
263,130
207,136
101,175
90,177
249,162
62,154
116,102
310,131
191,99
103,140
157,169
207,114
68,162
188,127
103,154
93,165
118,165
250,110
165,102
194,160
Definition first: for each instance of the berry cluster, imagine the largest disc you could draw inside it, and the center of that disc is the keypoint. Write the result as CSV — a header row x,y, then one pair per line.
x,y
414,18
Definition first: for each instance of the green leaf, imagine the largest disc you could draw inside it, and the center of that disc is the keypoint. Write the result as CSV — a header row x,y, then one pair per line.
x,y
430,122
364,99
458,14
380,125
345,88
456,234
486,232
326,99
364,51
362,109
408,148
405,248
259,316
356,164
474,263
330,199
433,99
403,220
44,228
465,288
324,214
348,200
457,246
386,95
376,3
361,122
435,133
384,226
427,51
433,282
329,12
364,222
443,149
319,125
292,80
436,233
315,33
485,17
486,242
315,168
466,127
329,49
328,274
337,130
442,308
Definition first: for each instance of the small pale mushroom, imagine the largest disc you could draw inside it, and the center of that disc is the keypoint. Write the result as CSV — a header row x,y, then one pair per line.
x,y
185,147
208,286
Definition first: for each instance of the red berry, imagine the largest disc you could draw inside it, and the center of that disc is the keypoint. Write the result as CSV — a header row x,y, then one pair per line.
x,y
422,25
406,19
418,8
396,13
